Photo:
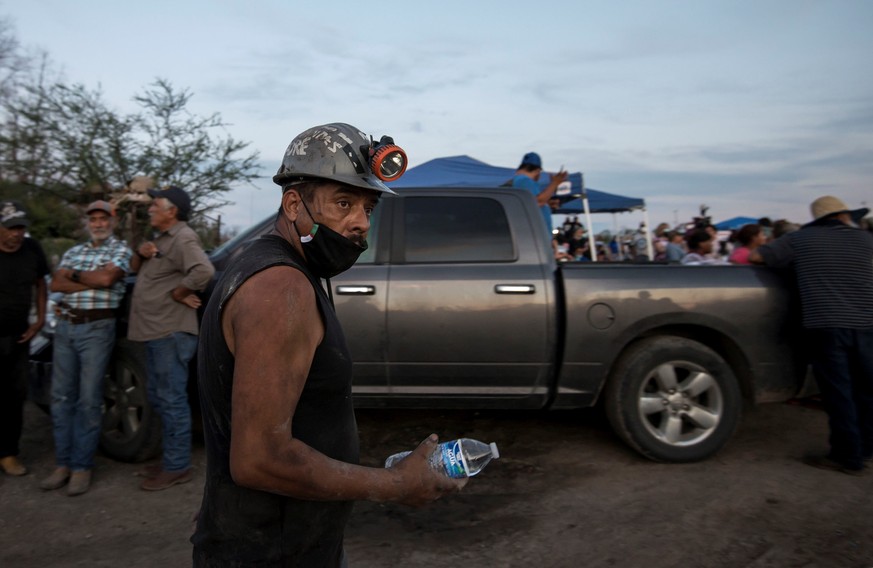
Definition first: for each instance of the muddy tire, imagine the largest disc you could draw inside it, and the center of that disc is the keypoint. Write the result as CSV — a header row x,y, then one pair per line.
x,y
673,399
131,431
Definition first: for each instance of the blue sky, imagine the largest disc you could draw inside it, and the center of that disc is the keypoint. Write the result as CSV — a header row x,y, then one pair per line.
x,y
754,108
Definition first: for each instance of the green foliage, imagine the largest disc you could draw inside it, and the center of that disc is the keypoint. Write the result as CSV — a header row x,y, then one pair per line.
x,y
50,215
62,145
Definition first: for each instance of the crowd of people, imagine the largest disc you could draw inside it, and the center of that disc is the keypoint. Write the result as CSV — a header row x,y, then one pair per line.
x,y
171,269
697,243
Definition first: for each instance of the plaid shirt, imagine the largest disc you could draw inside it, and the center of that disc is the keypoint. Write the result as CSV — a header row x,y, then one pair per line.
x,y
86,257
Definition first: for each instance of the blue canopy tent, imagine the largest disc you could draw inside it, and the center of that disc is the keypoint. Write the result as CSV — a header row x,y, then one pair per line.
x,y
734,223
464,171
602,202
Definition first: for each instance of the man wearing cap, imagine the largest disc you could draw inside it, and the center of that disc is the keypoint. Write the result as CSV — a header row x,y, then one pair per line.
x,y
275,374
171,270
527,177
90,277
23,268
833,265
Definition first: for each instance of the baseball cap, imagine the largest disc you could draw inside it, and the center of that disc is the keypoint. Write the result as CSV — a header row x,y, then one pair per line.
x,y
829,205
101,205
12,214
175,195
532,159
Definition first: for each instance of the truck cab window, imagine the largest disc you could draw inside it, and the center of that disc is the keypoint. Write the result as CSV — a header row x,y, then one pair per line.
x,y
456,229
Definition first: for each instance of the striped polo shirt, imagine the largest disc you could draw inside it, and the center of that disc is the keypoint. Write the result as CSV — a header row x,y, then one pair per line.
x,y
833,264
86,257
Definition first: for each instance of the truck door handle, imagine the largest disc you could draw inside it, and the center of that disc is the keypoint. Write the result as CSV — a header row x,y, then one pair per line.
x,y
356,290
515,288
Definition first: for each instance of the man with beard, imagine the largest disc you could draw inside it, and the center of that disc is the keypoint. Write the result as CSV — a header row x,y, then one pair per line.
x,y
275,373
90,276
22,269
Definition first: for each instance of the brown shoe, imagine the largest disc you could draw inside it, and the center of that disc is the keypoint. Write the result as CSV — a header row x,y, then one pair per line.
x,y
12,466
56,480
166,479
80,481
149,471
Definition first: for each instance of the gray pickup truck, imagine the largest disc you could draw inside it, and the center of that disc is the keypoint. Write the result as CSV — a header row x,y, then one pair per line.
x,y
459,303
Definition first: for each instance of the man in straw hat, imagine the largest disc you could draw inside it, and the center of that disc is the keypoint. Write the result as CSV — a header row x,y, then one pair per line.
x,y
833,264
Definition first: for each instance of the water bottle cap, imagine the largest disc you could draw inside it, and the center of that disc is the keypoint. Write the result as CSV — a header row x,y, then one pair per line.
x,y
494,453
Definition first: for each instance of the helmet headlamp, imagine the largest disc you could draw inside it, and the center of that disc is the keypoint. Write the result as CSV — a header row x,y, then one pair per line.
x,y
387,160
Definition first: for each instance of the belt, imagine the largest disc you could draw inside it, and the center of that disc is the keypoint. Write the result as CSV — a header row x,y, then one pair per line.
x,y
76,316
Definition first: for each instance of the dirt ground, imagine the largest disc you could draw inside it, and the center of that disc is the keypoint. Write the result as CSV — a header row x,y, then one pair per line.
x,y
565,493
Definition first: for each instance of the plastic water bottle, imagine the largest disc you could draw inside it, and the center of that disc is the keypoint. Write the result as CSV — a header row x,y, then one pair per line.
x,y
459,458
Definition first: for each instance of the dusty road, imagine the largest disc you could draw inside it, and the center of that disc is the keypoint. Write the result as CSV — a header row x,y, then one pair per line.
x,y
565,493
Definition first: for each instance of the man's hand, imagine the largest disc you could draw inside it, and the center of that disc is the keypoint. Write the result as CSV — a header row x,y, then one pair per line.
x,y
147,250
755,257
560,177
192,301
424,483
31,331
186,296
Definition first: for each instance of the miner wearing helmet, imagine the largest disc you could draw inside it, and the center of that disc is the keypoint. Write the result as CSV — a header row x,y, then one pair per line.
x,y
275,372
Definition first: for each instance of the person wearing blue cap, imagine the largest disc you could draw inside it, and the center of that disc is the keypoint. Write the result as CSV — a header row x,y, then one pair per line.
x,y
527,177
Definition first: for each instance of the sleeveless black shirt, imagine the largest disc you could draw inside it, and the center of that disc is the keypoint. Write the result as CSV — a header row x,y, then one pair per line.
x,y
244,527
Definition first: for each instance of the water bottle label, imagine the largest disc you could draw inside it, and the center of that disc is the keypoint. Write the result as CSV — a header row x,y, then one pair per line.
x,y
453,461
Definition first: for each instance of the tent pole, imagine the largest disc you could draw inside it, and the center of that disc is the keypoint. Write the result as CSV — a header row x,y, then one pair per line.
x,y
650,250
615,237
592,248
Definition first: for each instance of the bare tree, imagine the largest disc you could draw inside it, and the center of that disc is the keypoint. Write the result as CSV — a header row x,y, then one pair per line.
x,y
193,152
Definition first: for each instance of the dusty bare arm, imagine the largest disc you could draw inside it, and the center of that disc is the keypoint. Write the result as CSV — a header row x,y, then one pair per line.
x,y
272,325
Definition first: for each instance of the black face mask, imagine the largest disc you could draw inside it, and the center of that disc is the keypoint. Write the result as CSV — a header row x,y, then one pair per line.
x,y
327,252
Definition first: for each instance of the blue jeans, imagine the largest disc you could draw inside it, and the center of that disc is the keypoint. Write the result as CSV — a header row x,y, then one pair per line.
x,y
80,355
167,363
842,360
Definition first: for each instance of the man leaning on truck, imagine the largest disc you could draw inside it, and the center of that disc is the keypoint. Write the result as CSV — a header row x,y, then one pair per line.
x,y
833,264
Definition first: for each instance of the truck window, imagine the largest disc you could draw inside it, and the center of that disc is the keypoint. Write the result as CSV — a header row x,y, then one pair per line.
x,y
456,229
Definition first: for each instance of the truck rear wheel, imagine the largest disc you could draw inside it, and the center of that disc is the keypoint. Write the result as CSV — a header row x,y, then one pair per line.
x,y
131,431
673,399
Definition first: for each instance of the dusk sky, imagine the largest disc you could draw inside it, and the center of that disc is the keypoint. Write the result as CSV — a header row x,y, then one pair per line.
x,y
754,108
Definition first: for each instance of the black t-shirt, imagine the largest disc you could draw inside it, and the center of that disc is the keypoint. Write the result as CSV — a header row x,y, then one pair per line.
x,y
238,526
19,272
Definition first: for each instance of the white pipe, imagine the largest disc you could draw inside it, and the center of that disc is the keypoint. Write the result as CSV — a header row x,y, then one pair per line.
x,y
650,250
592,248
